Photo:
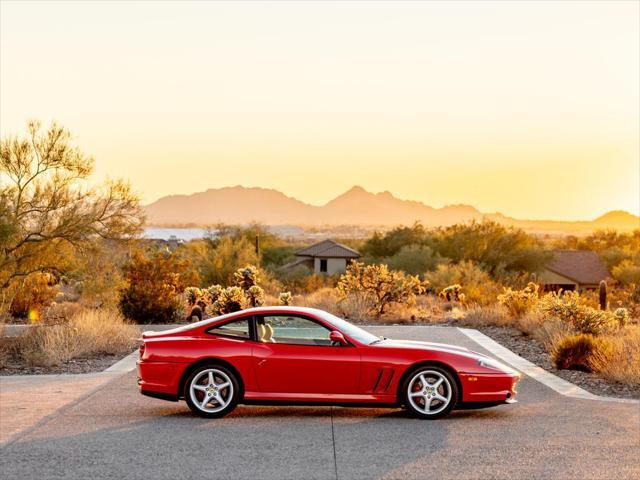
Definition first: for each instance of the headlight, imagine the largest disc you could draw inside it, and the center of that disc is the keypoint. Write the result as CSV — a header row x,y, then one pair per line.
x,y
494,364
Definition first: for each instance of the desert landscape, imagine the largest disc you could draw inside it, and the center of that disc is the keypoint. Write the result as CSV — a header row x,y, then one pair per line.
x,y
464,173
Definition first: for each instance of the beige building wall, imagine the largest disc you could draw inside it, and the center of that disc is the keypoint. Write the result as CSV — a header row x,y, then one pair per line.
x,y
552,278
334,265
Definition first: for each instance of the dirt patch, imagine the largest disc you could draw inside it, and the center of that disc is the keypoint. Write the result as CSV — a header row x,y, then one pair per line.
x,y
16,366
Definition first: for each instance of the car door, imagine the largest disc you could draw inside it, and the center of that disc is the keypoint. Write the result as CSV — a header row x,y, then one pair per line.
x,y
293,354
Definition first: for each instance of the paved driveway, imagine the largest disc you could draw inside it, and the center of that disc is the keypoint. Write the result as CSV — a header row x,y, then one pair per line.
x,y
117,433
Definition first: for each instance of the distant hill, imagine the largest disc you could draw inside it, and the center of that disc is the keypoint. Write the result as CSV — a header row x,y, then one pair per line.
x,y
238,205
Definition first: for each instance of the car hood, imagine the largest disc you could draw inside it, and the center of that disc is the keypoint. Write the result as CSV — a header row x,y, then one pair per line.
x,y
443,347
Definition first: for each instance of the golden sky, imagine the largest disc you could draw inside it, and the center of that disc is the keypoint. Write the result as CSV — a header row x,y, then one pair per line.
x,y
527,108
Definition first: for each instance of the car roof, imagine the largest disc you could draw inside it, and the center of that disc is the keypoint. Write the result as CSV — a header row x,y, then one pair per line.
x,y
314,312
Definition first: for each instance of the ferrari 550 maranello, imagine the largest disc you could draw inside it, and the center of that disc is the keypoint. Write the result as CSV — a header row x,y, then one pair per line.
x,y
290,355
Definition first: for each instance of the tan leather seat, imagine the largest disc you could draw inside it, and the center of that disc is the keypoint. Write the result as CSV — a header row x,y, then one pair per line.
x,y
269,334
265,333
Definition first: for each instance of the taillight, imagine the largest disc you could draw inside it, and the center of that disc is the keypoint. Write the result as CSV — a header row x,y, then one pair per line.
x,y
141,350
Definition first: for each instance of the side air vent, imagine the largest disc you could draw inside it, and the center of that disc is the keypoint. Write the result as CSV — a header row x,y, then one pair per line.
x,y
383,380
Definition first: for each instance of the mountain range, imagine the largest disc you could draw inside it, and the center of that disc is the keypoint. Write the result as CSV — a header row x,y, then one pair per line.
x,y
241,205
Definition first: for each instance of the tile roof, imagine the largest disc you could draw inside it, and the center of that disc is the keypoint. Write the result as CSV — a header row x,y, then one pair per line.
x,y
582,266
328,248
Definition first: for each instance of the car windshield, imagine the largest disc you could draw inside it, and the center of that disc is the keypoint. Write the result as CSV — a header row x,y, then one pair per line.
x,y
350,330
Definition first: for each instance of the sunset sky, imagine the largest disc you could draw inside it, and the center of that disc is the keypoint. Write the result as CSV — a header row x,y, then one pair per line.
x,y
527,108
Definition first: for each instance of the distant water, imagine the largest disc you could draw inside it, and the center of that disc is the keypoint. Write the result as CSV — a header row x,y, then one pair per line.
x,y
177,233
187,234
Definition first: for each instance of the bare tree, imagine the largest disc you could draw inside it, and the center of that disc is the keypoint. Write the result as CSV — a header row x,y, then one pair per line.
x,y
48,209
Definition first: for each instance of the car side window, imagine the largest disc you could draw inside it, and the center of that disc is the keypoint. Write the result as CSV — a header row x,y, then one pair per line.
x,y
292,330
238,328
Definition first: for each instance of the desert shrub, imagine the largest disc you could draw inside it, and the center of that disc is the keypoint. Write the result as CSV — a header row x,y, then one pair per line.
x,y
567,306
379,286
495,248
97,278
519,302
578,352
414,259
34,293
627,272
218,260
88,333
452,293
285,299
548,331
153,285
622,363
60,312
487,315
231,299
476,284
301,280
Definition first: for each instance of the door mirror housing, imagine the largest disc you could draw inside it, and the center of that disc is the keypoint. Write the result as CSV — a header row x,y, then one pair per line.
x,y
336,337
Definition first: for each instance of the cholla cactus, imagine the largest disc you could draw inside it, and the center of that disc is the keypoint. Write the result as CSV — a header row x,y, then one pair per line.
x,y
213,293
192,294
452,293
255,296
519,302
622,314
231,299
570,308
379,285
247,277
285,299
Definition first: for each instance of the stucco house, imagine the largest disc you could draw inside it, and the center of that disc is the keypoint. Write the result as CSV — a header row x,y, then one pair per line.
x,y
325,258
573,270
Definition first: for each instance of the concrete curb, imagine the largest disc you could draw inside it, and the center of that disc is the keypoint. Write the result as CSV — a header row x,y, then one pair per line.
x,y
125,365
555,383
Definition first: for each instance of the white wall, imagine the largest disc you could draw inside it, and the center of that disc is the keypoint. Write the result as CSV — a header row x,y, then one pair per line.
x,y
334,265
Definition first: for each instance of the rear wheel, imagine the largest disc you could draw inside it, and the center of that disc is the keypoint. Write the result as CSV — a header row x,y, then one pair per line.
x,y
430,392
211,391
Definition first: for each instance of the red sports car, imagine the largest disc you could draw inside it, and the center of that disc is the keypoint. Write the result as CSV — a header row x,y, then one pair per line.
x,y
297,355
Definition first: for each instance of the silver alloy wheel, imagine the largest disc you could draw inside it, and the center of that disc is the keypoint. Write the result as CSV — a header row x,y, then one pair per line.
x,y
211,390
429,392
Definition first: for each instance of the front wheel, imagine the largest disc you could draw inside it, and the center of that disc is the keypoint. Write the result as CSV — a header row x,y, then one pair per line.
x,y
211,391
430,392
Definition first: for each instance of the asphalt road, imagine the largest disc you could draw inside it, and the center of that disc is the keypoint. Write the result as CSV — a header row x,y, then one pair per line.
x,y
115,432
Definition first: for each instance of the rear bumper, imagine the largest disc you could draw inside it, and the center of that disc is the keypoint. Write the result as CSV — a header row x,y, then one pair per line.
x,y
159,379
489,388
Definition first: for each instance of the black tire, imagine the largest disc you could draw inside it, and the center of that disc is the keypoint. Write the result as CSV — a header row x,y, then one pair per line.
x,y
448,390
231,396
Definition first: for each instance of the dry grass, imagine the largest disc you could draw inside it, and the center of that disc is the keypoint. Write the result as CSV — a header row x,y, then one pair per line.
x,y
578,352
88,333
622,364
495,315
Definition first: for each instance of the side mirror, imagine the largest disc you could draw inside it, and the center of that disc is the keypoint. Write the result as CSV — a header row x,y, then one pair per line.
x,y
337,337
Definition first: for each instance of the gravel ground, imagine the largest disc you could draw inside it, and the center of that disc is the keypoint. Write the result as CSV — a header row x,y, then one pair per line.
x,y
15,366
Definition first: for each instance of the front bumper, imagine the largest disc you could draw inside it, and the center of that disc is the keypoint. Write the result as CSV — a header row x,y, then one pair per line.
x,y
492,387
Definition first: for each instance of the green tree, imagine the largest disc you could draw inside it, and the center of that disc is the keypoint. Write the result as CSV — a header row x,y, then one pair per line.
x,y
48,211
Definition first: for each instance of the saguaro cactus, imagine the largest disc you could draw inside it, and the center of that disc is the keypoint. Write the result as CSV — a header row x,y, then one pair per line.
x,y
603,295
